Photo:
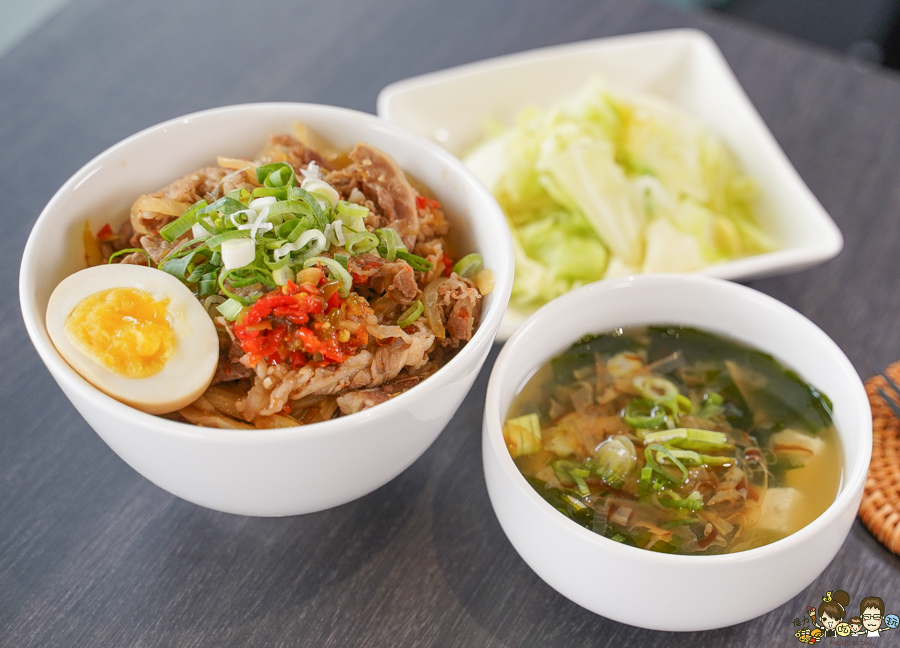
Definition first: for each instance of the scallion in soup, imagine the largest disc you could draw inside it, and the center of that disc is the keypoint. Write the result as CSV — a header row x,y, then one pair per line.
x,y
676,440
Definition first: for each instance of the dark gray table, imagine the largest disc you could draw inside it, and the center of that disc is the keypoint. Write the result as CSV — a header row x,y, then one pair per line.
x,y
91,554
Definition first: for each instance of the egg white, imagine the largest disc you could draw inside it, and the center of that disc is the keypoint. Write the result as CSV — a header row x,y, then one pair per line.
x,y
189,370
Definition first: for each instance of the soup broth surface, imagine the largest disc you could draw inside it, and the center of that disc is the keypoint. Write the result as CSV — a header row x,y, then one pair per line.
x,y
676,440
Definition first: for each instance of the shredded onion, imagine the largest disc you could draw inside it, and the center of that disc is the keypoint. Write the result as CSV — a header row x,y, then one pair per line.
x,y
432,308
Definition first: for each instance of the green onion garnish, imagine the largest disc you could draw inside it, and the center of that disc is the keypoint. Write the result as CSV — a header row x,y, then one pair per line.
x,y
276,175
390,243
646,476
416,262
411,314
215,242
336,270
183,223
643,413
130,251
352,210
691,439
693,502
361,243
468,265
230,309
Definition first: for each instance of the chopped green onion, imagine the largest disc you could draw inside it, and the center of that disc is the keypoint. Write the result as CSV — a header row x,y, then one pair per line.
x,y
468,265
183,223
655,388
361,243
291,230
411,314
691,439
687,457
646,476
643,413
578,474
710,405
230,309
289,207
279,192
415,262
183,248
312,237
130,251
390,243
323,190
666,452
207,285
214,242
224,205
574,502
212,300
319,214
336,269
609,477
563,468
276,175
241,195
182,267
343,259
351,210
717,460
283,274
693,502
663,392
651,461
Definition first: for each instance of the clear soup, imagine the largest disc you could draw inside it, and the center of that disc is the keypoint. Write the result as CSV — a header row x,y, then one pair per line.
x,y
676,440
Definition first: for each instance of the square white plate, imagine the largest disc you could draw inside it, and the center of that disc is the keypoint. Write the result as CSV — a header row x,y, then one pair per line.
x,y
683,66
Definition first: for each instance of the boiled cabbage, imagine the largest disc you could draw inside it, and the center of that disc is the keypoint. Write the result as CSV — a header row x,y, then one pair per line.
x,y
605,184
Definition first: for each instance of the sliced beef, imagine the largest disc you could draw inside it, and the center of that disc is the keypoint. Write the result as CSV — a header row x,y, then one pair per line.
x,y
384,182
460,301
393,278
357,401
397,281
228,370
275,385
135,258
181,194
432,224
407,351
230,354
285,148
433,252
157,247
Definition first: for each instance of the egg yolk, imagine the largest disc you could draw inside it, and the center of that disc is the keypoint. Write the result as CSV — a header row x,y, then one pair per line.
x,y
124,329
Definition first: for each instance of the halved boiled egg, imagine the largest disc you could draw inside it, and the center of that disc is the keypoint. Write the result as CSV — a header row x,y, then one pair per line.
x,y
136,333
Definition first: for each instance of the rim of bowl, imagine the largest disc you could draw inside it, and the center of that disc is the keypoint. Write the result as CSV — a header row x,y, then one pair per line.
x,y
487,327
852,481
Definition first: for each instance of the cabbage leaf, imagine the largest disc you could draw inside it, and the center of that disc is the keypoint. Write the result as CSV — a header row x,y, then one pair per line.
x,y
605,184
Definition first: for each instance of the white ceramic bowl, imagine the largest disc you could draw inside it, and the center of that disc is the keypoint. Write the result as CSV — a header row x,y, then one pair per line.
x,y
266,472
643,588
682,66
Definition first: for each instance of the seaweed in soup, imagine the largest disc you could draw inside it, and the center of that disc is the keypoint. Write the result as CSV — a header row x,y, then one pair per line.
x,y
676,440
